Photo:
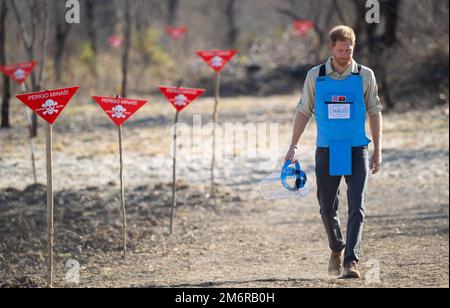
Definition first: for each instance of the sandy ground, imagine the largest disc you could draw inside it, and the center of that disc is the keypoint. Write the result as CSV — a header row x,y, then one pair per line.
x,y
235,240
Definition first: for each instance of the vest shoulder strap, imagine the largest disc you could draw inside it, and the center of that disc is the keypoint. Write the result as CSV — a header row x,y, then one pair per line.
x,y
359,70
323,70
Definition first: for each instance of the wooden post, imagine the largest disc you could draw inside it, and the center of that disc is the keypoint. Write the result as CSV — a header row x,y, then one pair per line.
x,y
174,174
179,61
30,132
50,230
122,198
215,119
173,47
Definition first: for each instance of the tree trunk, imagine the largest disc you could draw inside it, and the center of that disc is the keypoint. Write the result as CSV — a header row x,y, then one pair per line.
x,y
172,6
61,34
29,39
92,31
126,49
6,89
60,40
43,47
233,31
317,29
391,8
378,44
360,9
339,11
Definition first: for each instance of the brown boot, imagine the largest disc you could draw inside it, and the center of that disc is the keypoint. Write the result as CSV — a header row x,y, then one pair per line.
x,y
336,263
351,270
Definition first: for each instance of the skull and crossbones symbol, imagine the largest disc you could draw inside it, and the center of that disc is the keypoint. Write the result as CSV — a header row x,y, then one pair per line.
x,y
181,100
119,111
217,61
50,107
19,74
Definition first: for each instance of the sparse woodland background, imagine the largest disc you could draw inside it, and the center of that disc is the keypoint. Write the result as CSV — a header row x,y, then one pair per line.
x,y
408,50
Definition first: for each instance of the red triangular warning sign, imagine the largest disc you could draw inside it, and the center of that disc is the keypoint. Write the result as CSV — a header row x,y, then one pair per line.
x,y
48,104
180,98
116,42
217,59
302,27
19,72
119,110
176,32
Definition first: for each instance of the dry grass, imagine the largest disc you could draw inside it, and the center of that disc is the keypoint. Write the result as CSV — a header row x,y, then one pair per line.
x,y
238,241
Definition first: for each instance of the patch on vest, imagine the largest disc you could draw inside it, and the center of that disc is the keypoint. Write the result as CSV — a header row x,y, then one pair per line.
x,y
339,111
339,99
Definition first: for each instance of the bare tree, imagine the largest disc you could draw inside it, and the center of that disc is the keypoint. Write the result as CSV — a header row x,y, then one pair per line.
x,y
360,24
6,82
92,31
376,44
172,6
233,32
126,50
61,34
337,7
379,44
320,30
38,11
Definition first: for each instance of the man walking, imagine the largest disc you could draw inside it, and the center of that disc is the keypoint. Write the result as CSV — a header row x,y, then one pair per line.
x,y
341,94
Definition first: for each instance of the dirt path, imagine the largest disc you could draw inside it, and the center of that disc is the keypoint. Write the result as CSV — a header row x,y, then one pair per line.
x,y
239,240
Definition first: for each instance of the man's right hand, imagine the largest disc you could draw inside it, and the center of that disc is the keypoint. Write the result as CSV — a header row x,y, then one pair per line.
x,y
291,154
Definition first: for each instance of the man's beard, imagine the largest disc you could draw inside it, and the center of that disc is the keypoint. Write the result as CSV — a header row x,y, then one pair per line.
x,y
343,62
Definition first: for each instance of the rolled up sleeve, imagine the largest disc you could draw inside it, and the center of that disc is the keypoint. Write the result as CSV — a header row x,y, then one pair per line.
x,y
371,96
307,101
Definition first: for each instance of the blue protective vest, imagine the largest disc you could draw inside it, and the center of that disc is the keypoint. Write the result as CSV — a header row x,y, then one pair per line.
x,y
340,112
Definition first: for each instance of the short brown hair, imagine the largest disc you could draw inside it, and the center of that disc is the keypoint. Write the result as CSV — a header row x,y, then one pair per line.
x,y
342,33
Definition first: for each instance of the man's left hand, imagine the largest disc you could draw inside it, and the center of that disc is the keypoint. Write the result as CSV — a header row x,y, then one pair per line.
x,y
376,162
